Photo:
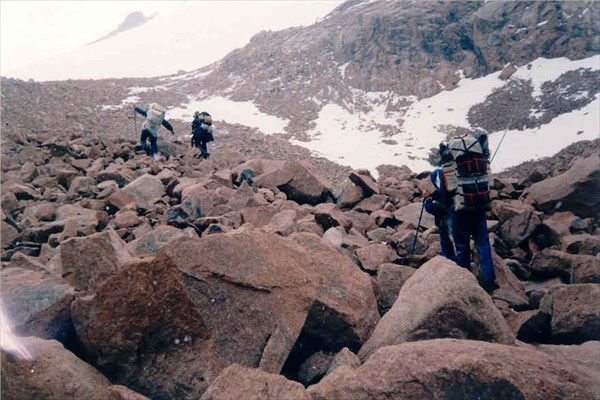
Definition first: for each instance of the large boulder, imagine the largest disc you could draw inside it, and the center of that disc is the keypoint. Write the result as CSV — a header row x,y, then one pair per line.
x,y
36,303
518,221
511,290
349,195
143,192
570,267
237,382
574,311
581,244
410,214
391,278
440,300
298,181
50,372
150,244
457,369
586,354
575,190
258,216
142,322
374,255
89,260
363,179
329,215
258,300
8,234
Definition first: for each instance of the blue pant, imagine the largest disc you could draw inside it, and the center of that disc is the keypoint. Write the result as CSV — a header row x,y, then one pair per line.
x,y
446,243
467,224
153,146
202,146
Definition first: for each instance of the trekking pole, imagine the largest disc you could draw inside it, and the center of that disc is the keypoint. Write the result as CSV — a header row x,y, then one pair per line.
x,y
412,251
501,140
134,122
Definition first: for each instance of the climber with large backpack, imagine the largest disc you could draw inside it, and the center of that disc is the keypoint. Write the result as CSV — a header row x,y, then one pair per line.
x,y
202,133
155,117
466,174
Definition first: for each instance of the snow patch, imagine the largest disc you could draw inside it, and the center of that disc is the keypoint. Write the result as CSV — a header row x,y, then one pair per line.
x,y
361,139
234,112
544,70
548,139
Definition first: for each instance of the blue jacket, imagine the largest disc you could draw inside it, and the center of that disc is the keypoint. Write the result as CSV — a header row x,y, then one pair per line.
x,y
438,202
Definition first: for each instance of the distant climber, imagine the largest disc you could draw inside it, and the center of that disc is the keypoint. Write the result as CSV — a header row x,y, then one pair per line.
x,y
202,133
465,166
439,205
155,117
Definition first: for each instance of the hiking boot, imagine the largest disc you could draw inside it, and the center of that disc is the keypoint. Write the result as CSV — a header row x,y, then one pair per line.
x,y
490,287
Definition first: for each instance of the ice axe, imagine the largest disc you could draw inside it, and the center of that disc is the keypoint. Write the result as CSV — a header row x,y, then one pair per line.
x,y
412,250
134,122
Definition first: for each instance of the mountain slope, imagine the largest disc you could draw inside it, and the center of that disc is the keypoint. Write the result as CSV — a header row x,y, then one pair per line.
x,y
361,86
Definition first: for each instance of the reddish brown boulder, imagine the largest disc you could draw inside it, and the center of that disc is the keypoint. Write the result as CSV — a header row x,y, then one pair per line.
x,y
44,211
237,382
517,221
344,358
82,186
258,216
282,223
329,215
144,192
574,311
390,278
314,368
570,267
531,326
88,261
586,355
126,219
8,234
36,302
150,244
52,373
439,300
154,329
581,244
363,178
374,255
255,299
349,195
298,181
372,203
576,190
462,369
511,289
410,215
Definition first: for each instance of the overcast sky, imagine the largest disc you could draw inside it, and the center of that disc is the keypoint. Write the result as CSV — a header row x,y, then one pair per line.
x,y
31,31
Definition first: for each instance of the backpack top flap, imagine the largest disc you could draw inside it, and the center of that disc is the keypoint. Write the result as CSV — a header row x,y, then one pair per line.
x,y
470,155
461,145
205,118
155,113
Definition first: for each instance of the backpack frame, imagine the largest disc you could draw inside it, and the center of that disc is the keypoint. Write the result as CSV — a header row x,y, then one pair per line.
x,y
467,174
